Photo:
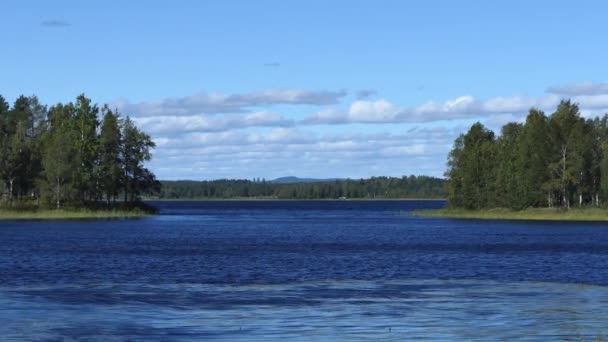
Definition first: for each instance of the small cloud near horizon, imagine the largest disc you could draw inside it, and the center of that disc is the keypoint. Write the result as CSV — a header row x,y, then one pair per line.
x,y
366,93
272,64
587,88
55,23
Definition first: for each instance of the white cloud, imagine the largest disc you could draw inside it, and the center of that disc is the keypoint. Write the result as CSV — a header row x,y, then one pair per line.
x,y
167,124
372,111
215,103
240,136
463,107
577,89
275,152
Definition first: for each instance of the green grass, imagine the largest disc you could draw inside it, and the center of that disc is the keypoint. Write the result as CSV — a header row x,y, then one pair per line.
x,y
540,214
65,214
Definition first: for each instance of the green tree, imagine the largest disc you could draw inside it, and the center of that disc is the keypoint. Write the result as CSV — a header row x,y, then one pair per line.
x,y
565,166
110,163
599,166
135,152
508,187
16,160
86,144
604,170
533,159
473,169
59,162
455,174
4,141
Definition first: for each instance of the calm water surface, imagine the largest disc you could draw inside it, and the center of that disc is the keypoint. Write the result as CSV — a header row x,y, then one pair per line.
x,y
301,271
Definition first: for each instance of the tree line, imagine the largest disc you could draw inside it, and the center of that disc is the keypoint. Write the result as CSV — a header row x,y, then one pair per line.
x,y
560,160
74,154
375,187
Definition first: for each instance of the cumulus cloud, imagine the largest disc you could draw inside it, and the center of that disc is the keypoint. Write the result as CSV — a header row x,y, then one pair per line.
x,y
168,124
580,89
373,111
291,150
215,103
463,107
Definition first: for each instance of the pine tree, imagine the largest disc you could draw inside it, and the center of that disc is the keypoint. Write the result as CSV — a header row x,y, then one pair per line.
x,y
135,151
454,174
508,187
59,162
85,134
4,141
110,155
533,160
474,169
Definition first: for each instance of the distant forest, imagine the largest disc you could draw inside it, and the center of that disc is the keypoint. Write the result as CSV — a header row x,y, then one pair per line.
x,y
560,160
376,187
75,154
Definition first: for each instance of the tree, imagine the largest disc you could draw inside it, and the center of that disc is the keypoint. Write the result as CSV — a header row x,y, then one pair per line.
x,y
4,141
554,161
604,170
110,166
472,169
59,163
479,157
565,166
18,169
135,151
533,160
454,174
17,159
599,159
508,186
85,141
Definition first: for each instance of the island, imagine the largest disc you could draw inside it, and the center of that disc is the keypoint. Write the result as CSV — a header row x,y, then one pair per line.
x,y
74,160
549,168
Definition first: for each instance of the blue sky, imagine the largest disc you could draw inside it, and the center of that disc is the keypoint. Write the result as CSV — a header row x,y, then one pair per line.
x,y
244,89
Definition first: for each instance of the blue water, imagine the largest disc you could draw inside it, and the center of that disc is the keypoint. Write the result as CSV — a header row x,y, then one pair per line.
x,y
301,271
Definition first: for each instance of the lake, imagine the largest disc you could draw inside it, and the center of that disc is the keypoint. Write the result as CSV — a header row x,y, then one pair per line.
x,y
302,271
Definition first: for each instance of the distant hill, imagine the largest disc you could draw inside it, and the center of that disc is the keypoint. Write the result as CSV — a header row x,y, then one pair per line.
x,y
292,179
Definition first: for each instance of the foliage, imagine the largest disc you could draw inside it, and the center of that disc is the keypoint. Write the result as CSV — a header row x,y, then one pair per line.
x,y
555,161
66,156
375,187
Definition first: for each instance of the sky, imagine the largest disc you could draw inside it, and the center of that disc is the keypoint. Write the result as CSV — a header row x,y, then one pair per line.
x,y
265,89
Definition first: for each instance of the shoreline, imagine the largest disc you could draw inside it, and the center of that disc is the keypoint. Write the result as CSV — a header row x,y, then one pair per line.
x,y
69,214
245,199
536,214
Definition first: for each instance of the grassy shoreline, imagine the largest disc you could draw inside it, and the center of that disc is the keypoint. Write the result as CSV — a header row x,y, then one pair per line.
x,y
69,214
536,214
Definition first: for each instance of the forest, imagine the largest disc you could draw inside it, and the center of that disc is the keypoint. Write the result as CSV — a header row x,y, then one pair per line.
x,y
559,161
77,155
371,188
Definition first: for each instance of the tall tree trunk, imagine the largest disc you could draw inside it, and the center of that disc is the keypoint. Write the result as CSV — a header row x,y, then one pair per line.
x,y
565,201
58,194
10,189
